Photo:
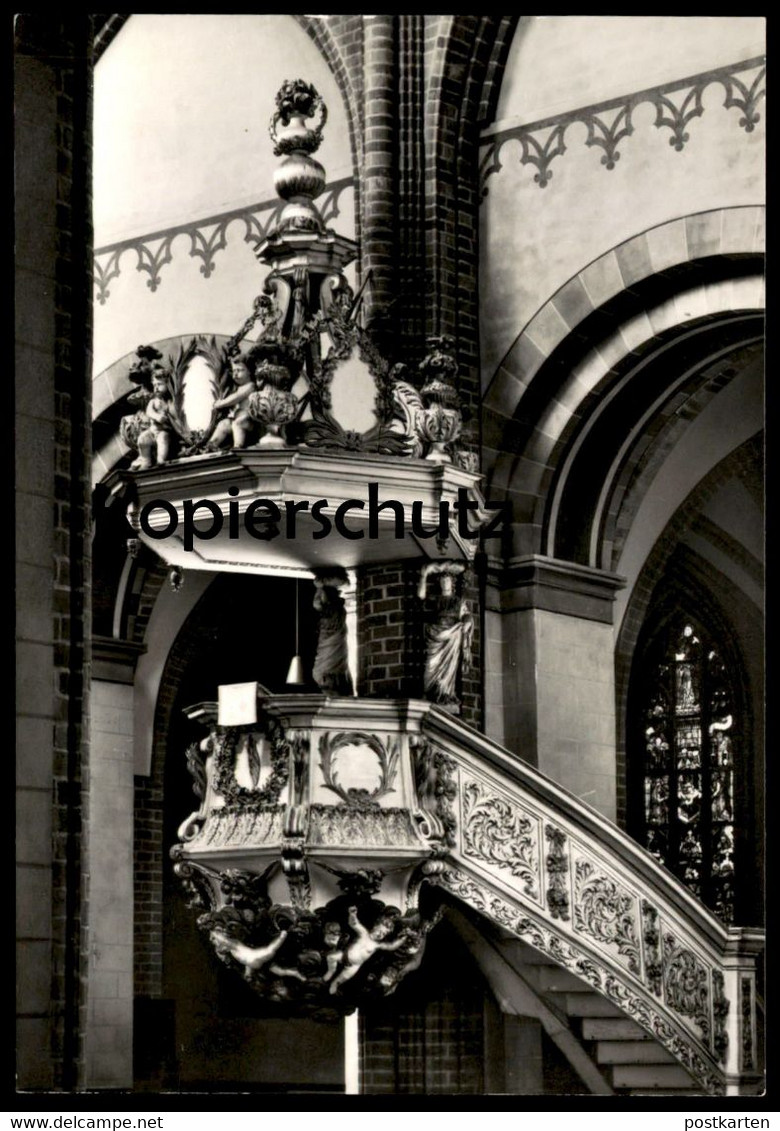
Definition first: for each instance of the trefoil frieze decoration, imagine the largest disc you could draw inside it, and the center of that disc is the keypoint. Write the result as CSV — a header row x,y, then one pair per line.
x,y
207,237
501,834
610,122
604,910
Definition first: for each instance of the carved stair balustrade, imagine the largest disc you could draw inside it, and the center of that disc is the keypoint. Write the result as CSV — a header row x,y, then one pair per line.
x,y
346,815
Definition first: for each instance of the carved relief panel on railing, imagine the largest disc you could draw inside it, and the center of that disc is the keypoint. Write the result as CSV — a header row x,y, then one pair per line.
x,y
325,826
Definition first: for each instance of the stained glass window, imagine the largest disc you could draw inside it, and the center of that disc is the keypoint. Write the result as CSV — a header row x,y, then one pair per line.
x,y
689,740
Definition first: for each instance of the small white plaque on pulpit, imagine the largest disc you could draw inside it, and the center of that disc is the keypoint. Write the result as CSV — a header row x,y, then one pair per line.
x,y
237,704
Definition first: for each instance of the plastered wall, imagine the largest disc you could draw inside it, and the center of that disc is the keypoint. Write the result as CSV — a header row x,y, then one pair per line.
x,y
534,238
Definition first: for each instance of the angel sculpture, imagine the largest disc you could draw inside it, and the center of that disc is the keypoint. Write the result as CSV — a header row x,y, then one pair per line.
x,y
236,429
358,952
448,637
151,430
331,668
253,959
412,954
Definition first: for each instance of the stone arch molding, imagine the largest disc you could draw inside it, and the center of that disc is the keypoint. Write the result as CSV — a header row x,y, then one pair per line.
x,y
538,862
660,251
725,231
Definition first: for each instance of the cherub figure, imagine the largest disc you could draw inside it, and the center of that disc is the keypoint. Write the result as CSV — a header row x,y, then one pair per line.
x,y
368,942
331,937
238,425
414,952
154,442
253,958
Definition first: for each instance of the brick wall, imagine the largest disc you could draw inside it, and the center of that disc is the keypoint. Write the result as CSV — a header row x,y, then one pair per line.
x,y
53,335
429,1037
391,637
390,631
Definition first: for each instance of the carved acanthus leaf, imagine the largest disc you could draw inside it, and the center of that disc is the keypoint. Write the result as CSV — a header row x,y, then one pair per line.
x,y
605,911
499,833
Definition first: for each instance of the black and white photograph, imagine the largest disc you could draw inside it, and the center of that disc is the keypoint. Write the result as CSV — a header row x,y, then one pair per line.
x,y
389,535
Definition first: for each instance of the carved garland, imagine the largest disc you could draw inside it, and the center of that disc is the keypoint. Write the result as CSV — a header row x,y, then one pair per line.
x,y
388,763
605,911
608,123
239,796
599,977
651,937
501,834
557,865
436,784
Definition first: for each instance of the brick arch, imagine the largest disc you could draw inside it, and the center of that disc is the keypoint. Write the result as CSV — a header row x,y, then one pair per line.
x,y
660,250
692,358
691,268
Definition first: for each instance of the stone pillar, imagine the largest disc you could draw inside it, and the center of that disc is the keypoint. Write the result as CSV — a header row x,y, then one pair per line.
x,y
550,679
744,1055
108,1053
378,188
52,87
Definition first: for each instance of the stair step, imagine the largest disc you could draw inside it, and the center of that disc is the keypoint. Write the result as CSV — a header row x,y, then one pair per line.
x,y
650,1076
613,1029
587,1005
555,979
632,1052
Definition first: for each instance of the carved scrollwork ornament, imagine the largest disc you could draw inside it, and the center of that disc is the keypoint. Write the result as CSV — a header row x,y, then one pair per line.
x,y
651,937
197,882
605,911
601,978
436,785
497,832
720,1012
685,984
746,999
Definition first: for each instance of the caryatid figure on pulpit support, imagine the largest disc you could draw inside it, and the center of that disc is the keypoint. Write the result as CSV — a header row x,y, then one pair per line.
x,y
331,666
448,637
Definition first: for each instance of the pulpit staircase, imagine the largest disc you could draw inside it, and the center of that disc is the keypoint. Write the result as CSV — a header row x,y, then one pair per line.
x,y
571,922
628,1059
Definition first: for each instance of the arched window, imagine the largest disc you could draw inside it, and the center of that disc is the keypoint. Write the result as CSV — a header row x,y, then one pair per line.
x,y
688,743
